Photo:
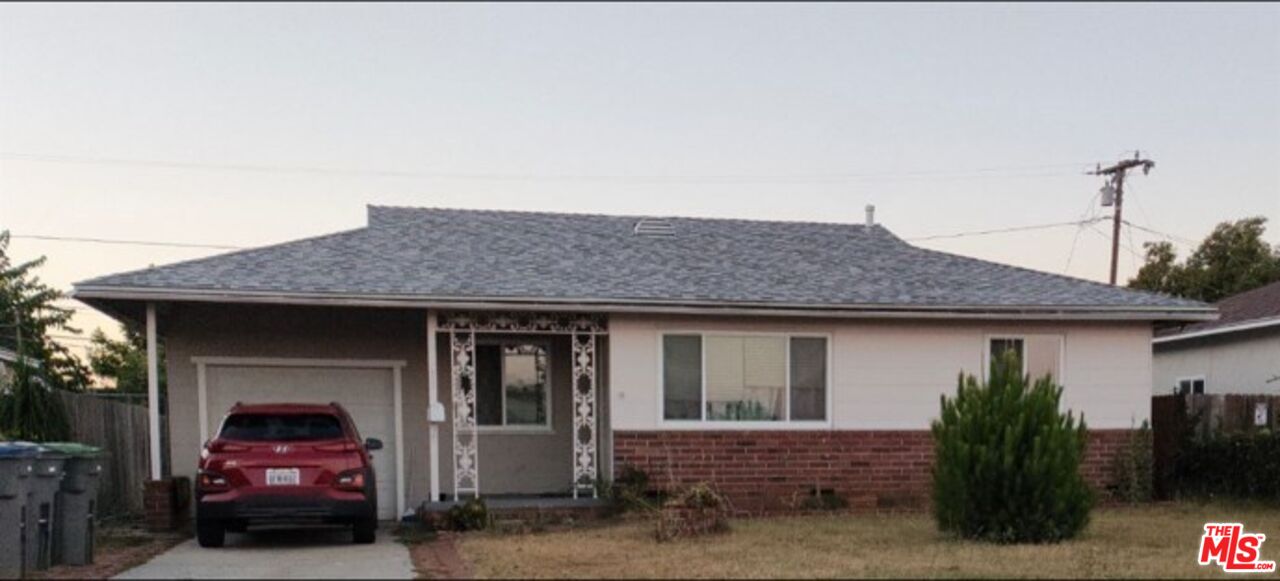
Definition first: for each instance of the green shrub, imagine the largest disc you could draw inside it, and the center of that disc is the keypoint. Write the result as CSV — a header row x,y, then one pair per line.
x,y
1132,470
30,410
630,492
1007,462
471,515
1243,466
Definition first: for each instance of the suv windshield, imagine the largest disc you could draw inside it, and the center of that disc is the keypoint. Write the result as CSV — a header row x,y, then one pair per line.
x,y
275,427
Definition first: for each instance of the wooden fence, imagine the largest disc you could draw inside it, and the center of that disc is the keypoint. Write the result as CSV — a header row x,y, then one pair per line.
x,y
121,430
1176,418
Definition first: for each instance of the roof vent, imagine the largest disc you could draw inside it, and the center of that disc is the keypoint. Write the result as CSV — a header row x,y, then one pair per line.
x,y
654,228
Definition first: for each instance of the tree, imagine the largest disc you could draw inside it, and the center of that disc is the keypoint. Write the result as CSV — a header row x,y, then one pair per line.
x,y
28,407
123,361
1007,461
1232,259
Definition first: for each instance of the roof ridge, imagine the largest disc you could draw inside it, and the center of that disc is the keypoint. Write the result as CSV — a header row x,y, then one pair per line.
x,y
491,211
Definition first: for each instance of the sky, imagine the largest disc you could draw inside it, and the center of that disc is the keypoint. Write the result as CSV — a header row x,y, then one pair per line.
x,y
243,125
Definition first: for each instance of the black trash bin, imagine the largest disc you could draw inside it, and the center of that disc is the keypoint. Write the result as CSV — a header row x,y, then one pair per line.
x,y
42,495
76,503
16,465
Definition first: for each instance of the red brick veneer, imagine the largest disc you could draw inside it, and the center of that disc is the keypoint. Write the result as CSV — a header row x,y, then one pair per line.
x,y
765,470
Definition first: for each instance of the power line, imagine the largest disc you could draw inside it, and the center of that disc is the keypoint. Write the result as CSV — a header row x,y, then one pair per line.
x,y
1090,214
230,247
1165,235
118,241
1005,230
984,172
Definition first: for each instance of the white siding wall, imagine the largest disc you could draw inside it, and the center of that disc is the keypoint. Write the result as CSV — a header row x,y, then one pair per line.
x,y
1238,364
889,375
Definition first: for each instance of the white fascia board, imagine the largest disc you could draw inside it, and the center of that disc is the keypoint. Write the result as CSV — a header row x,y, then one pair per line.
x,y
1028,312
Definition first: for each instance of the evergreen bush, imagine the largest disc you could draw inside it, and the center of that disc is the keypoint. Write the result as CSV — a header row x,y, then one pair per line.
x,y
1132,469
1007,461
1243,466
472,515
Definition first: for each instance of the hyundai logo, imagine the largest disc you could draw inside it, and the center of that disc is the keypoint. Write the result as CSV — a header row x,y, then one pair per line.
x,y
282,449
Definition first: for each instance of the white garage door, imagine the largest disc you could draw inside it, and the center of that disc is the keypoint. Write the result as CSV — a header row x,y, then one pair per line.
x,y
367,394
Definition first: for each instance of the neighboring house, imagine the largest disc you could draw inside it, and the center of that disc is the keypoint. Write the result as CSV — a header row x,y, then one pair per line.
x,y
771,358
1238,353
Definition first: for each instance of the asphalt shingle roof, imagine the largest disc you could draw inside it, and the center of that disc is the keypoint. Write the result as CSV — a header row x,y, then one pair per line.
x,y
1259,304
460,254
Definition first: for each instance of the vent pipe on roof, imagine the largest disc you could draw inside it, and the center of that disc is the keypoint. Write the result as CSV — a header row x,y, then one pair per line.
x,y
871,215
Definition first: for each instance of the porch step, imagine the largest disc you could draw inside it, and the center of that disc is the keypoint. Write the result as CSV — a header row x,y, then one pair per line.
x,y
524,514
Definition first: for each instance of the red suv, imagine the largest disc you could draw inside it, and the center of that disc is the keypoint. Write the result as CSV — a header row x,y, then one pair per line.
x,y
286,463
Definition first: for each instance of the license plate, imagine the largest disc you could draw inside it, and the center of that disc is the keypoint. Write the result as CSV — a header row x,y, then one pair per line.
x,y
283,477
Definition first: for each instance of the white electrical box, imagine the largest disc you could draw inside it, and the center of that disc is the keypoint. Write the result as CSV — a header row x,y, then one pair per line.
x,y
435,413
1260,414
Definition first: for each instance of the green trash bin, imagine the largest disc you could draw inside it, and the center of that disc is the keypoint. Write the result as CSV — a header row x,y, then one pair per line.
x,y
76,503
16,465
42,493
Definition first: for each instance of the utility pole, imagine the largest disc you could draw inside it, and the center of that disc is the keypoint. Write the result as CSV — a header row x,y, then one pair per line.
x,y
1116,185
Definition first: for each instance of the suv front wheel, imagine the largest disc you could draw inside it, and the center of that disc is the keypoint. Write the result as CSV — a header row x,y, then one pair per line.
x,y
210,533
365,531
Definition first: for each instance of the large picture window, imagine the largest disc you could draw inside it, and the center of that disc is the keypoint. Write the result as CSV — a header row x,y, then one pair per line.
x,y
744,378
512,387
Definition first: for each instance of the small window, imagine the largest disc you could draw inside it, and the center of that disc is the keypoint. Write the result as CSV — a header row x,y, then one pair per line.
x,y
512,387
281,427
1191,385
1001,347
744,378
1037,355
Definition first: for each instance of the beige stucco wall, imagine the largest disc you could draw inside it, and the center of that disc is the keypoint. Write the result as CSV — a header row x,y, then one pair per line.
x,y
890,374
1236,363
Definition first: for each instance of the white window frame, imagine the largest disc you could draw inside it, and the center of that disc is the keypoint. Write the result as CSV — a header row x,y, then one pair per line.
x,y
1177,384
702,423
1025,338
547,427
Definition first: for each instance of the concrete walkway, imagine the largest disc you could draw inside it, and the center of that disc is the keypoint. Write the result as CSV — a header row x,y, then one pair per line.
x,y
283,554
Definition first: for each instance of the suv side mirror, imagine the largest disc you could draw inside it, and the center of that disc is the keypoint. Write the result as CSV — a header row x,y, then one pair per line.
x,y
372,444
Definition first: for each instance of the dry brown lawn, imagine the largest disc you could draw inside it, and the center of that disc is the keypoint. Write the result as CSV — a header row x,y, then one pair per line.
x,y
1150,541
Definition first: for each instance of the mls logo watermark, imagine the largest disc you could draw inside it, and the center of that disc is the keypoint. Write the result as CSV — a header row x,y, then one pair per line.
x,y
1233,549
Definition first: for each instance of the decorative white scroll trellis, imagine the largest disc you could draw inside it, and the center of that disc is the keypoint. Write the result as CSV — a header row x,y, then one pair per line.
x,y
582,329
466,440
584,413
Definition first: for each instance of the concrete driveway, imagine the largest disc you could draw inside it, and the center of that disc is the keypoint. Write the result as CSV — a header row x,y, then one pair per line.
x,y
283,554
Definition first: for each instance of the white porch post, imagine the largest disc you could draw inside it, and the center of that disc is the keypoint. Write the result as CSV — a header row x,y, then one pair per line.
x,y
466,439
433,402
153,391
584,412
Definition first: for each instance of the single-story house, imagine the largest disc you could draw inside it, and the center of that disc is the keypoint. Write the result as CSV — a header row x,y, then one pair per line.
x,y
1238,353
519,353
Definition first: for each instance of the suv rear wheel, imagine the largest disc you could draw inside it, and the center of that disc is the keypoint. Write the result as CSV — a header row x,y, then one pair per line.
x,y
365,531
210,533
